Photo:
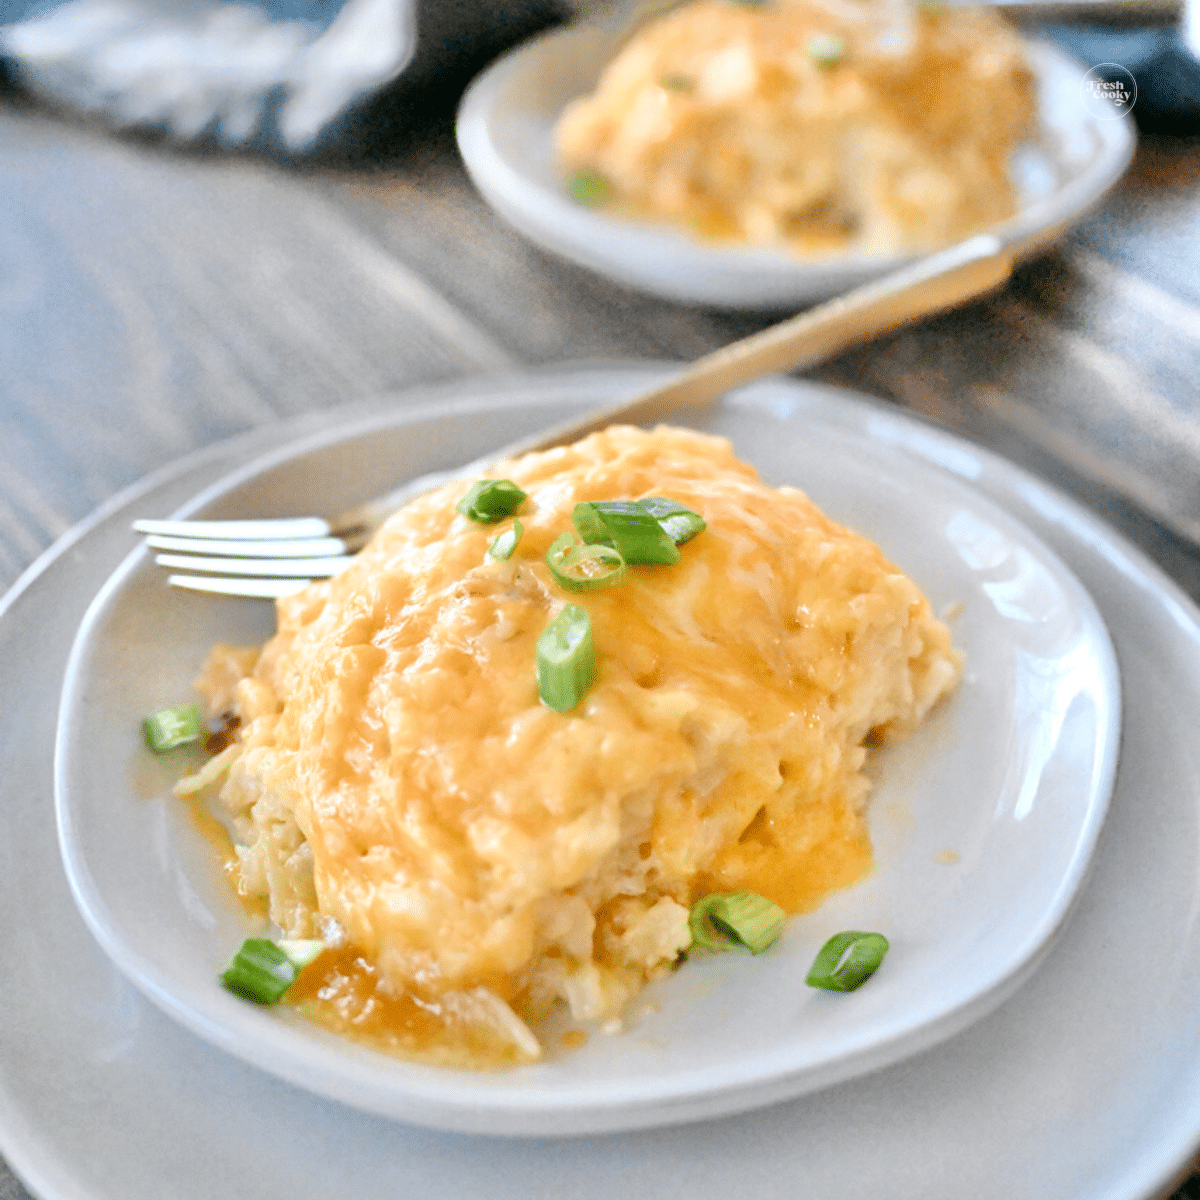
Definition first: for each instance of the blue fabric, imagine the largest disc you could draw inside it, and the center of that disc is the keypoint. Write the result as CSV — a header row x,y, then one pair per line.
x,y
1167,73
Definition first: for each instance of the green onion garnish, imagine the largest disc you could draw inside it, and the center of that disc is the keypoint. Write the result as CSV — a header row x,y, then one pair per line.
x,y
301,951
566,659
585,568
847,960
723,920
263,970
680,523
173,727
628,527
673,81
591,188
826,49
491,500
505,543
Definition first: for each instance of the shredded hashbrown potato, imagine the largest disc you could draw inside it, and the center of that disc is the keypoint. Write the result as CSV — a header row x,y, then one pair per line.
x,y
872,126
396,786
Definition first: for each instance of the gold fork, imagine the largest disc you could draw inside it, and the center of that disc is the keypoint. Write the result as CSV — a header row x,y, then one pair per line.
x,y
273,558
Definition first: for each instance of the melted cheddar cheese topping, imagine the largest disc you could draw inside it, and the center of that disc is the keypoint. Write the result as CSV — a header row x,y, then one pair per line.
x,y
827,126
398,782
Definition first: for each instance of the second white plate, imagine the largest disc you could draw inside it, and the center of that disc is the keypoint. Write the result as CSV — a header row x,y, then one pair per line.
x,y
1012,777
505,133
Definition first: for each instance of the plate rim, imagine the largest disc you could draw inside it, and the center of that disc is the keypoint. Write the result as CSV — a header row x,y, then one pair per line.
x,y
522,1116
51,1164
574,233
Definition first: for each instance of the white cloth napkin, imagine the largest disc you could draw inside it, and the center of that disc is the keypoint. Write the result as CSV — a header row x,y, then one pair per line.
x,y
243,72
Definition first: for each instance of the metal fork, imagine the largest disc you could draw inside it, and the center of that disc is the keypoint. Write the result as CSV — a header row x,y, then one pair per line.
x,y
268,559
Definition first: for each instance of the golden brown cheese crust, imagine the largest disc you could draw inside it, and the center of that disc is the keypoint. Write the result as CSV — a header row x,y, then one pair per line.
x,y
722,116
463,834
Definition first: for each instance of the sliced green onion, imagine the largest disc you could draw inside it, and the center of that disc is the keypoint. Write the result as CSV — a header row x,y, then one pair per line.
x,y
566,659
723,920
173,727
584,568
591,188
627,526
491,500
680,523
262,970
826,49
704,934
589,526
505,543
301,951
847,960
674,81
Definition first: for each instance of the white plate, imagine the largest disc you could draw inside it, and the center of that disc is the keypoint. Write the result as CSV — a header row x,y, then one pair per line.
x,y
505,134
1013,776
1084,1085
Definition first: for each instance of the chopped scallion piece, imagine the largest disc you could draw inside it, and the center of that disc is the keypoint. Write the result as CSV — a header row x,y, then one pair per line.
x,y
723,920
566,659
301,951
680,523
589,525
826,49
173,727
847,960
674,81
585,568
262,970
627,526
505,543
491,500
591,188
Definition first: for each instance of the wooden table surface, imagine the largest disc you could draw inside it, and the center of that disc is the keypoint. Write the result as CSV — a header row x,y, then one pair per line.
x,y
154,301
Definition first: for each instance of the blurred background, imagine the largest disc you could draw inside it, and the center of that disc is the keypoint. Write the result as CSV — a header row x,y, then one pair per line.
x,y
294,79
223,218
346,78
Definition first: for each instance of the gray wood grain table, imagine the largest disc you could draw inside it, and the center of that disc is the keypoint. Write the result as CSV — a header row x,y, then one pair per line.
x,y
154,301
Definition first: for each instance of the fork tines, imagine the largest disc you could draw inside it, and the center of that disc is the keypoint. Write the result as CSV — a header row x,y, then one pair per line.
x,y
251,530
299,548
281,568
257,589
265,559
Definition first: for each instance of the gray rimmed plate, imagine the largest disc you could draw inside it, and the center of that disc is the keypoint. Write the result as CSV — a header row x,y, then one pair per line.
x,y
1013,776
505,133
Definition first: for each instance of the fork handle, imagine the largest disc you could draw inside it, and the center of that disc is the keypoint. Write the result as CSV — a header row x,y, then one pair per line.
x,y
929,285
